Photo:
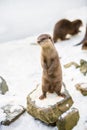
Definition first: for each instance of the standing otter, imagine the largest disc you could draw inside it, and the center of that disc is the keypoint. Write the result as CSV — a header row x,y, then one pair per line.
x,y
64,27
84,41
52,72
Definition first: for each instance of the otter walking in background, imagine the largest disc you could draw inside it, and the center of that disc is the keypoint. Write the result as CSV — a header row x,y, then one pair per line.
x,y
84,41
84,46
52,72
64,27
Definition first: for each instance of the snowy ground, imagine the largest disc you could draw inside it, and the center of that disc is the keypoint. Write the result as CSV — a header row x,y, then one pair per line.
x,y
20,67
23,18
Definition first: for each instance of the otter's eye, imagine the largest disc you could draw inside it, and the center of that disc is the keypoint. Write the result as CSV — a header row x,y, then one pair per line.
x,y
49,37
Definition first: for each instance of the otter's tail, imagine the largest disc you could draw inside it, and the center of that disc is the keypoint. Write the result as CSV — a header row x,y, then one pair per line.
x,y
85,38
79,43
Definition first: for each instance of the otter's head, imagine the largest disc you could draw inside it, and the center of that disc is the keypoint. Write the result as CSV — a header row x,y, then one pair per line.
x,y
78,23
44,40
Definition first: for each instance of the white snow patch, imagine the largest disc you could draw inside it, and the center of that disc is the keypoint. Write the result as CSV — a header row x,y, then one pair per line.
x,y
51,99
0,80
15,107
67,105
84,85
68,36
2,115
67,112
85,125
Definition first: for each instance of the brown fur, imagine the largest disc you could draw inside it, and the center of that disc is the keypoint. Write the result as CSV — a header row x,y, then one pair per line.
x,y
64,27
84,40
52,72
84,45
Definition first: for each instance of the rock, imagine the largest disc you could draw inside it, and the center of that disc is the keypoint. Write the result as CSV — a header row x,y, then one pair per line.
x,y
82,66
11,112
82,87
70,64
68,120
3,86
49,109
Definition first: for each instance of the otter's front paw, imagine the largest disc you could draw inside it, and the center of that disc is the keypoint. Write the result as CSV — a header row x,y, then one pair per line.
x,y
50,72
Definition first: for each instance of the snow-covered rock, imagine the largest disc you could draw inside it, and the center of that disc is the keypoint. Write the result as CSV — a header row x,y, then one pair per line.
x,y
68,120
10,113
82,87
49,109
3,86
2,115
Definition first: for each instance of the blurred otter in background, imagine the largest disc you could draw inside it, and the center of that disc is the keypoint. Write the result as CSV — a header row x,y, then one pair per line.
x,y
64,27
84,41
84,46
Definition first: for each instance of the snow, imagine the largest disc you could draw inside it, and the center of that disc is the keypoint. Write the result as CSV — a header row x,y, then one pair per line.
x,y
20,61
49,101
67,112
23,18
84,85
15,107
0,80
67,105
2,115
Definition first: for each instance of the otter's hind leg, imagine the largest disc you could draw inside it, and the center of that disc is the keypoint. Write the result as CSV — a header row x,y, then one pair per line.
x,y
43,95
63,37
58,90
45,88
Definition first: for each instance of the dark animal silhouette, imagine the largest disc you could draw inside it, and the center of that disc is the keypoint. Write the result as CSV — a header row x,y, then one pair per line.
x,y
84,40
64,27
